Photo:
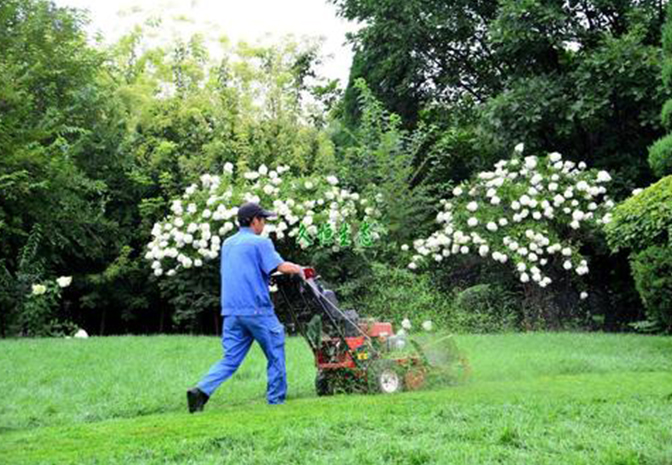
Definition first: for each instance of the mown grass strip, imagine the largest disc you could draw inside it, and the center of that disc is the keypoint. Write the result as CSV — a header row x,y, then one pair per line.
x,y
566,404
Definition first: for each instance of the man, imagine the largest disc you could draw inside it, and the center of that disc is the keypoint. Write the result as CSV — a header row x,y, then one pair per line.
x,y
247,260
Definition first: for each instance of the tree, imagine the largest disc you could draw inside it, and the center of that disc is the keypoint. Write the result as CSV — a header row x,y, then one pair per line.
x,y
580,77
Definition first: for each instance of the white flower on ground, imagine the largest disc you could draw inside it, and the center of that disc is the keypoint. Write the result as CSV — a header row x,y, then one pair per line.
x,y
333,180
472,222
457,191
39,289
406,324
64,281
412,266
404,247
228,167
519,148
472,206
81,334
583,295
427,325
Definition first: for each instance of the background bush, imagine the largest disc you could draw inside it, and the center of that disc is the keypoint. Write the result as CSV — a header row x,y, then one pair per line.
x,y
644,219
660,156
643,226
652,269
485,308
392,294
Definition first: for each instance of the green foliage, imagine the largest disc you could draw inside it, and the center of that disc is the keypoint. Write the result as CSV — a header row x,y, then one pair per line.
x,y
660,153
666,115
378,158
644,219
95,142
393,294
643,225
660,156
579,77
652,270
485,308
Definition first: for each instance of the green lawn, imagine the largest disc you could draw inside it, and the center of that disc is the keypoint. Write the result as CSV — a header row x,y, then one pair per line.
x,y
532,398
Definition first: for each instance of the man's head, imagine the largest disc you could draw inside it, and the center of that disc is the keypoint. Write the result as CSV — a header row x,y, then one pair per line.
x,y
250,214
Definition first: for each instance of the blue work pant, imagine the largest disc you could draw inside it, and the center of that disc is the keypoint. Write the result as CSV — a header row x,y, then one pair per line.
x,y
238,334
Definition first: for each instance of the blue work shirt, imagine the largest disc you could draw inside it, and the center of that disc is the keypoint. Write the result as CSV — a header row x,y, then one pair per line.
x,y
247,261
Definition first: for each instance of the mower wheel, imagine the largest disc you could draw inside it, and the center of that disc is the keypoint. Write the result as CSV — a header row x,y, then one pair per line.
x,y
385,377
324,385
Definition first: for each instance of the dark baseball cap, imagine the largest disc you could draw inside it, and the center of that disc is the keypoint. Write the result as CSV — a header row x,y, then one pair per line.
x,y
250,210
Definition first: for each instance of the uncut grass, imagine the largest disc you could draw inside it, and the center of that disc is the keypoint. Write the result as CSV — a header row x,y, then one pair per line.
x,y
542,398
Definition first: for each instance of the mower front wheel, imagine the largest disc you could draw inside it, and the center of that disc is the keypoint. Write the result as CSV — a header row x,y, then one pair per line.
x,y
385,377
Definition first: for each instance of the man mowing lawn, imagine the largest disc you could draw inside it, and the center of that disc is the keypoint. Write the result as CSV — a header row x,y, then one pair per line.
x,y
247,260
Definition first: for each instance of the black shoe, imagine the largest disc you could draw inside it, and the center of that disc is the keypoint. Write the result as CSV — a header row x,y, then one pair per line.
x,y
196,399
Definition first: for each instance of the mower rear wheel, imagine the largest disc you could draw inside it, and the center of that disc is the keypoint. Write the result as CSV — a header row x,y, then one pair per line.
x,y
324,385
385,377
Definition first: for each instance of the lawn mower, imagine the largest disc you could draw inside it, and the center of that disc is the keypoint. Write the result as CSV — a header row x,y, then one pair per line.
x,y
351,353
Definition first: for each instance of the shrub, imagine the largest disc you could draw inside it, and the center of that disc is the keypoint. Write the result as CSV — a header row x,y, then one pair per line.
x,y
312,210
643,225
643,220
666,115
652,270
485,308
394,294
533,213
660,156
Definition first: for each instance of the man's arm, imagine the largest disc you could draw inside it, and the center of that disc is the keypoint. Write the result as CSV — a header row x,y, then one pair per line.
x,y
290,268
271,260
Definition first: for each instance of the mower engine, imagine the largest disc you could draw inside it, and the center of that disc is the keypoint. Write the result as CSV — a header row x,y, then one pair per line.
x,y
351,353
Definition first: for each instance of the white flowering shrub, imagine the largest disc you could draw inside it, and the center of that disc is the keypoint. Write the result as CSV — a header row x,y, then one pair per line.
x,y
313,211
529,213
39,312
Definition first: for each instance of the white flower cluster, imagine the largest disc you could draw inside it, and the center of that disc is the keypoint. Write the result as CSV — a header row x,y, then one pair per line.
x,y
523,212
207,212
40,289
